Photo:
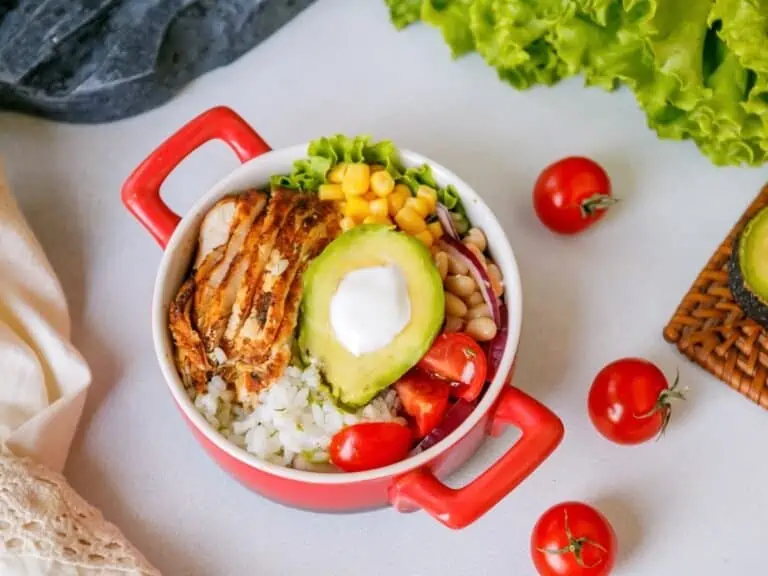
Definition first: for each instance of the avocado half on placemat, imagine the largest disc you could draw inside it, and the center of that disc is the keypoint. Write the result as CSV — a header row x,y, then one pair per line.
x,y
748,268
720,321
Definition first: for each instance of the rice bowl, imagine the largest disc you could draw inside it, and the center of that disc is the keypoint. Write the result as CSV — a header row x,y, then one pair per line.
x,y
410,484
351,291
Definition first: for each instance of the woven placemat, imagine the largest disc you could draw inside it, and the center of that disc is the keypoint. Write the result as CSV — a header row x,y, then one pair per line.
x,y
712,331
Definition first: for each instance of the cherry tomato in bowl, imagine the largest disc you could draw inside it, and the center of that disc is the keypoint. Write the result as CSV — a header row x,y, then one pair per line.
x,y
572,194
629,401
369,445
573,539
424,398
457,357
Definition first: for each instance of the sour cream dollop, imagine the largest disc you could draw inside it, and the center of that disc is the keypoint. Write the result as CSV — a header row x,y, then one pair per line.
x,y
370,307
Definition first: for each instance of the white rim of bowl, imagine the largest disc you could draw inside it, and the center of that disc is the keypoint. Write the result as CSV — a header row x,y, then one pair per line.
x,y
168,368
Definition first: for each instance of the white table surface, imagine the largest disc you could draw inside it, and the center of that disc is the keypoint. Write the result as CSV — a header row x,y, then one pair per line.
x,y
694,503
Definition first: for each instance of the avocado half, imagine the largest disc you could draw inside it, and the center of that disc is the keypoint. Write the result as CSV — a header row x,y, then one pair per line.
x,y
355,380
748,268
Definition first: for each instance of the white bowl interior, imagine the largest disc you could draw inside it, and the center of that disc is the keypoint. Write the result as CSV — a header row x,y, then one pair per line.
x,y
255,173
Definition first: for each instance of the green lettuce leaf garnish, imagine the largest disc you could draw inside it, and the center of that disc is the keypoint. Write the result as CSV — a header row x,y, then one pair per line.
x,y
447,196
324,153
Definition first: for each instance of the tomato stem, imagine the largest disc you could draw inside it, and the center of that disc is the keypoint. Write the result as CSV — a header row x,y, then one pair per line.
x,y
664,404
575,546
597,202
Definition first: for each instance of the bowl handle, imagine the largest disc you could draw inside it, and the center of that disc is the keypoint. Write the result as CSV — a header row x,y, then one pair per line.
x,y
542,431
141,191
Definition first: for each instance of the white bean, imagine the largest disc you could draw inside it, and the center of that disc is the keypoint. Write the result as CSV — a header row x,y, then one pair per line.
x,y
475,298
460,285
456,266
479,311
441,261
494,275
454,306
481,329
475,236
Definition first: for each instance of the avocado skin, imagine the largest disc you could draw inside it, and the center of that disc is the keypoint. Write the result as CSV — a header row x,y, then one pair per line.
x,y
750,303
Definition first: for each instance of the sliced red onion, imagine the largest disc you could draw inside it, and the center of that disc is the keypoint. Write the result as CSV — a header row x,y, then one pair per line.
x,y
456,249
496,346
444,215
453,418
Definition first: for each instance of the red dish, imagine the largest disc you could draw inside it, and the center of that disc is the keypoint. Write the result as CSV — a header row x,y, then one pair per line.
x,y
411,484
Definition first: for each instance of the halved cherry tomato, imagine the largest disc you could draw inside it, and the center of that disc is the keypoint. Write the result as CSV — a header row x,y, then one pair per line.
x,y
573,539
369,445
629,401
424,398
457,357
572,194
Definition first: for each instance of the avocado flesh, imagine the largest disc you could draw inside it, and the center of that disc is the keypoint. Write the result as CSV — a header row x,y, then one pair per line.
x,y
355,380
748,269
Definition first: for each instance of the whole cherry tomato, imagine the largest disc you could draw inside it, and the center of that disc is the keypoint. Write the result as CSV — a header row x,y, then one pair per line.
x,y
424,398
369,445
629,401
572,194
457,357
573,539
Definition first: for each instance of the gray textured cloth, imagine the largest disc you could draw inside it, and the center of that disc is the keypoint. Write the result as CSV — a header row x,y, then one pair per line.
x,y
102,60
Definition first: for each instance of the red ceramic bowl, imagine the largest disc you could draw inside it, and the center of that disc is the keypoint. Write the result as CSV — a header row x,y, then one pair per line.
x,y
414,483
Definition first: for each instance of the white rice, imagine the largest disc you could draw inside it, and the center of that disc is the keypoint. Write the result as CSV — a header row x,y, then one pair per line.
x,y
294,421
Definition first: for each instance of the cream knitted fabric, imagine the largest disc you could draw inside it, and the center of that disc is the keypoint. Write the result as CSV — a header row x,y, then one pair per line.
x,y
46,528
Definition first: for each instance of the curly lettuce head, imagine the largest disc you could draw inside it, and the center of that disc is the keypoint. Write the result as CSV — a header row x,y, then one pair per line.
x,y
698,68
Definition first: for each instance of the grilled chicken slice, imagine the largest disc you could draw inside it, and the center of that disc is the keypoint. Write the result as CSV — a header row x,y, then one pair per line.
x,y
264,342
191,359
250,379
215,228
297,242
221,303
217,289
249,382
259,247
190,354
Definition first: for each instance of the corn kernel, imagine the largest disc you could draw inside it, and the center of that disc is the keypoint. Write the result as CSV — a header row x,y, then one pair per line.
x,y
330,192
336,174
418,205
376,168
425,237
429,195
436,229
403,190
379,207
356,208
347,224
410,221
356,179
382,183
372,219
397,198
